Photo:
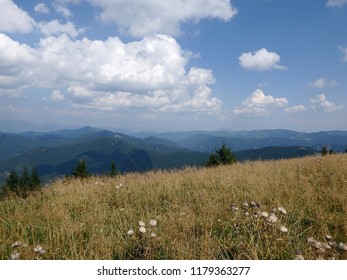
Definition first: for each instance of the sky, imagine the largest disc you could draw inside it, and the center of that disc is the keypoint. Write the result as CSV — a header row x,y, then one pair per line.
x,y
147,65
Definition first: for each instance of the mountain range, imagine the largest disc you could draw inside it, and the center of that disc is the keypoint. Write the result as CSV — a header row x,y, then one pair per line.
x,y
55,153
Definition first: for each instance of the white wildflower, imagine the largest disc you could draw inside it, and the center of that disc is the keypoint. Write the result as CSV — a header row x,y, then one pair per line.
x,y
264,214
299,257
153,234
142,230
15,256
342,246
332,244
234,208
328,237
253,204
38,249
282,210
142,224
153,223
272,218
283,229
246,213
130,232
16,244
245,205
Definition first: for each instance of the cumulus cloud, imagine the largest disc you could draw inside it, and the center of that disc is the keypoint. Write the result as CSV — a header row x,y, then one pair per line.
x,y
55,27
336,3
144,17
259,104
41,8
17,63
149,73
321,83
295,109
261,60
13,19
321,103
344,52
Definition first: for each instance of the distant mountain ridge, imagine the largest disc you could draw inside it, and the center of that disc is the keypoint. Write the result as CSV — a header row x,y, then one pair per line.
x,y
55,153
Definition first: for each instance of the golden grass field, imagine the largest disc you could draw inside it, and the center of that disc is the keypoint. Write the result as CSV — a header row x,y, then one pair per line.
x,y
91,218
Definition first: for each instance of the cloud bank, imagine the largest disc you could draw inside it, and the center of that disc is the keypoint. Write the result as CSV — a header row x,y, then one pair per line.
x,y
149,73
144,17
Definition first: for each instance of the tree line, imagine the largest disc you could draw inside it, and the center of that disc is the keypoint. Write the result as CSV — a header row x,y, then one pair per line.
x,y
21,184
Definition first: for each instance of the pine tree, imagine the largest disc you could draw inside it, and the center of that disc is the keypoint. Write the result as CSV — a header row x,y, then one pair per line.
x,y
80,170
324,151
35,181
223,156
113,171
24,182
12,181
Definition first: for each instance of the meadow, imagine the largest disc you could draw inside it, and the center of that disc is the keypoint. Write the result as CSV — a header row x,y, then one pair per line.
x,y
286,209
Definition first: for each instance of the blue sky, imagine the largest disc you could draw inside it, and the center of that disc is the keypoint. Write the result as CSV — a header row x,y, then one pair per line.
x,y
175,65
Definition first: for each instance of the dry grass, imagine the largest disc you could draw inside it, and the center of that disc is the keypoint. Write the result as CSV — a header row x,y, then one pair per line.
x,y
89,219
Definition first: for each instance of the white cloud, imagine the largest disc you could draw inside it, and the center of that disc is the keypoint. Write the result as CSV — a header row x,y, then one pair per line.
x,y
13,19
336,3
321,103
54,27
321,83
16,63
144,17
344,52
259,104
104,75
295,109
41,8
57,96
261,60
62,10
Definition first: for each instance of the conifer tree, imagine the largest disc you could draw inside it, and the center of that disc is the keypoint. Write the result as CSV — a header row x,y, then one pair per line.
x,y
113,171
24,182
222,156
12,181
324,151
80,170
35,181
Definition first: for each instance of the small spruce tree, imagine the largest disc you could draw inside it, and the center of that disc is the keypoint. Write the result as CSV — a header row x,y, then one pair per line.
x,y
12,182
35,181
80,170
113,171
324,151
24,182
223,156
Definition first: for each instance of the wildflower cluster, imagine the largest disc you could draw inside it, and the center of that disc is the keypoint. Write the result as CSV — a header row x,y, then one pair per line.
x,y
143,229
16,246
328,248
254,210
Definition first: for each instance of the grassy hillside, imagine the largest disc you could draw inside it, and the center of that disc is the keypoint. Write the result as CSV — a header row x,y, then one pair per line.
x,y
195,210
